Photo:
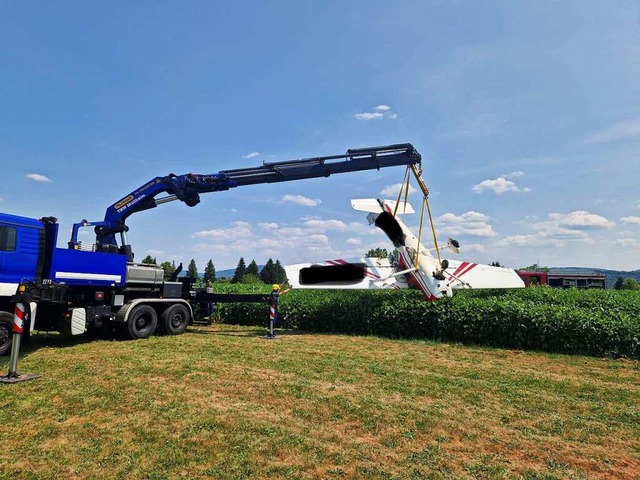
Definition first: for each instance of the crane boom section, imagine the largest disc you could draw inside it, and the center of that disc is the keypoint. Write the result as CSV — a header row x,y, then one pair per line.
x,y
188,187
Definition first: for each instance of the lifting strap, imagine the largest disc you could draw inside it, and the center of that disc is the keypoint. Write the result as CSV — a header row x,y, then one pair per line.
x,y
425,202
417,259
404,181
425,192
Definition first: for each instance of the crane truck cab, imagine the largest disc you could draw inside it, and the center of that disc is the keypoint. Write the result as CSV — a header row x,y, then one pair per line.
x,y
21,258
74,290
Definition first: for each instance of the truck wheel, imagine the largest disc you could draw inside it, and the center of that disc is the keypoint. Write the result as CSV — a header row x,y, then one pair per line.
x,y
6,332
174,320
142,322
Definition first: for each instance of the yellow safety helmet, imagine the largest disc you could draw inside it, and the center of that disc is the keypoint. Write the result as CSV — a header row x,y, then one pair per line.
x,y
275,286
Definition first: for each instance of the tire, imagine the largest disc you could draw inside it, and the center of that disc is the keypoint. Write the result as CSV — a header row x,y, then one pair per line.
x,y
174,320
6,332
142,322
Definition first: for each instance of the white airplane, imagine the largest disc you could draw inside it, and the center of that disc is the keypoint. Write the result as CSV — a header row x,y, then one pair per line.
x,y
417,266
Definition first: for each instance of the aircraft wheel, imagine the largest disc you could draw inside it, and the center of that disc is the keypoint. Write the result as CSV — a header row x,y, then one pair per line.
x,y
175,319
142,322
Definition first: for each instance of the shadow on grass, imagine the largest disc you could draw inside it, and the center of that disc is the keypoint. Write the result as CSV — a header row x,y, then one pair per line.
x,y
245,332
38,340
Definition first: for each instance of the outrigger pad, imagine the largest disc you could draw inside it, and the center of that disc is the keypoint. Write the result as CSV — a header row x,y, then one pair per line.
x,y
19,377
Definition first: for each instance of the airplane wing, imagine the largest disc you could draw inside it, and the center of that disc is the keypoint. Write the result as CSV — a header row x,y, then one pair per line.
x,y
353,273
474,275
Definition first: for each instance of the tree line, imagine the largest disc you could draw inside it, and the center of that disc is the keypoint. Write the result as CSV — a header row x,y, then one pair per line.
x,y
271,272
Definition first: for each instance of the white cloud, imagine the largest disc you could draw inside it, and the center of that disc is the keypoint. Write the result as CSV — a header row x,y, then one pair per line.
x,y
559,228
381,111
619,131
581,220
630,220
529,241
369,115
154,253
555,231
469,223
514,175
326,224
391,191
251,155
500,185
301,200
354,241
268,226
473,247
317,238
291,231
36,177
628,243
238,230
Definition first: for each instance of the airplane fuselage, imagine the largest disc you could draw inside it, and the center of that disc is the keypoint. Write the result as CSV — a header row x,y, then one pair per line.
x,y
414,258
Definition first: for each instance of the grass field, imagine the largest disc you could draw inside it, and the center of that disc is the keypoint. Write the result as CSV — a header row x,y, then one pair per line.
x,y
220,402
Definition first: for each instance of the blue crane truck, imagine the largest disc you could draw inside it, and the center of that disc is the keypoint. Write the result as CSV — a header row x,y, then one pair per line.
x,y
97,286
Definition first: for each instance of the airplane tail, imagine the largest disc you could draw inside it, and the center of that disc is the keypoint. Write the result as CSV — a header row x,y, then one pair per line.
x,y
373,205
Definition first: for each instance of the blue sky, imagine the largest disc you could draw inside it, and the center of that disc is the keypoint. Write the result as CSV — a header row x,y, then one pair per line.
x,y
527,115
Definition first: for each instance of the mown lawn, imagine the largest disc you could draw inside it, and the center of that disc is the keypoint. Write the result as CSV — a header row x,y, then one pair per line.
x,y
220,402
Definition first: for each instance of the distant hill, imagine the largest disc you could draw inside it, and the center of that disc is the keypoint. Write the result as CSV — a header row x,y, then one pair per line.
x,y
229,272
225,273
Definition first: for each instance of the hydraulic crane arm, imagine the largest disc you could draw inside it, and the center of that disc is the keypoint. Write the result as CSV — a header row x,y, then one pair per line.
x,y
187,188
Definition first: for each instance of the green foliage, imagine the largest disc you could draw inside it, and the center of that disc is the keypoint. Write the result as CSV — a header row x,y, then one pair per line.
x,y
168,268
192,270
209,272
241,270
592,322
535,268
377,253
618,285
149,260
252,269
250,278
267,273
279,275
630,284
